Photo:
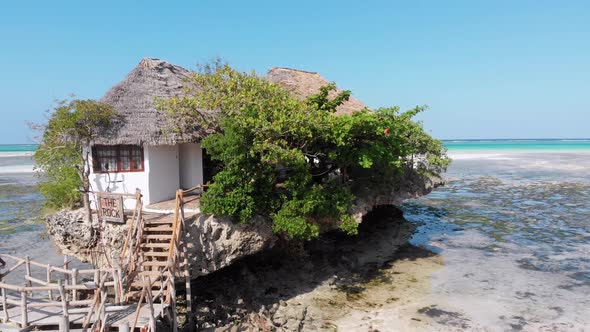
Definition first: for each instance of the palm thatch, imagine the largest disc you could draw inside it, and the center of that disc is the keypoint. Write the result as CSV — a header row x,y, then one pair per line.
x,y
134,99
139,122
305,83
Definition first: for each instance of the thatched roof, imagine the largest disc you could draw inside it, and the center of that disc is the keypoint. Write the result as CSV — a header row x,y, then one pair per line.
x,y
134,100
139,122
305,83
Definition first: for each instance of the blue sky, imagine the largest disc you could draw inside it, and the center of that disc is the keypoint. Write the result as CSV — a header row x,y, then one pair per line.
x,y
487,69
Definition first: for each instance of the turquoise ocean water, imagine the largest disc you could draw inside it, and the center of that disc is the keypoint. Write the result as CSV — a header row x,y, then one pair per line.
x,y
452,145
17,147
518,145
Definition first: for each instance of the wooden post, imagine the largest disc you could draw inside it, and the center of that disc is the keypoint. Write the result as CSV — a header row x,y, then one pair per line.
x,y
124,327
121,286
141,297
64,324
103,295
4,305
116,285
65,266
74,283
132,224
28,268
64,299
187,285
103,322
49,292
172,302
96,301
150,301
24,309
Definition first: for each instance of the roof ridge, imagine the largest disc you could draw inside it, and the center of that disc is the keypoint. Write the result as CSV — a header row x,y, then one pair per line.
x,y
293,69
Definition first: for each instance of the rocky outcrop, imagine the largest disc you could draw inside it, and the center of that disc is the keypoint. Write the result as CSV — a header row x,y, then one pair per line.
x,y
410,185
213,243
72,233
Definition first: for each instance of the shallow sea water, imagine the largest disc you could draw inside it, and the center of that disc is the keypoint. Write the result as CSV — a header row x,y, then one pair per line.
x,y
21,233
513,230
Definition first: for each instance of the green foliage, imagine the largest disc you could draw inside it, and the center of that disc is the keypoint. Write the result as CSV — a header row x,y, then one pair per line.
x,y
61,162
295,161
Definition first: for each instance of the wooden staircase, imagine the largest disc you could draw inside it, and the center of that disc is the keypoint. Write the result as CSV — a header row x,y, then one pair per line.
x,y
155,256
154,252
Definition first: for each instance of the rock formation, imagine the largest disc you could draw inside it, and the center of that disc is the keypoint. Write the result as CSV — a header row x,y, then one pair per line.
x,y
213,243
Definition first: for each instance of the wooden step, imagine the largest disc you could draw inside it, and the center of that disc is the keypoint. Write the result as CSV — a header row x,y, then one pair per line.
x,y
158,222
158,229
155,245
161,237
155,254
137,293
155,263
140,284
152,274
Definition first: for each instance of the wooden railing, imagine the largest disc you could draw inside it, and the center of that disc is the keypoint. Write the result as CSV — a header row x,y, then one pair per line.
x,y
81,289
177,264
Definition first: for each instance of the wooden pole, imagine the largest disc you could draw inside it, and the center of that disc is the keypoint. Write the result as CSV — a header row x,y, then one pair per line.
x,y
66,262
138,308
116,286
23,308
172,292
65,267
124,327
152,319
103,322
64,299
64,324
133,223
187,285
74,283
4,304
49,292
97,299
28,268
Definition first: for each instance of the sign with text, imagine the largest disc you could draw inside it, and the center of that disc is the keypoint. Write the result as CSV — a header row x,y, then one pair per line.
x,y
111,208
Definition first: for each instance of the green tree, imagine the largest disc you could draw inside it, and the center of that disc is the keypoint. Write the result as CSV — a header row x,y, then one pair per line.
x,y
293,160
62,158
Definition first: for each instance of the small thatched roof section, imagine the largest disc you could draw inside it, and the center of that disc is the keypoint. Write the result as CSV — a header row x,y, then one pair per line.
x,y
134,100
305,83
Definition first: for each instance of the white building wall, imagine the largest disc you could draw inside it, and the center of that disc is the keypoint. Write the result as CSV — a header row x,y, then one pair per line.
x,y
166,169
191,165
164,175
124,182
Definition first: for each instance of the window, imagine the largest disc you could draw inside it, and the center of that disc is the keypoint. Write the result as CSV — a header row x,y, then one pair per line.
x,y
117,158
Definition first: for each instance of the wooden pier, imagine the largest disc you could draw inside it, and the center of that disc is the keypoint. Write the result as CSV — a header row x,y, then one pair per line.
x,y
131,296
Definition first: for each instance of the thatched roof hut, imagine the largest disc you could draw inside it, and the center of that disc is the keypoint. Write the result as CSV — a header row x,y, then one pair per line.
x,y
140,123
306,83
140,150
134,100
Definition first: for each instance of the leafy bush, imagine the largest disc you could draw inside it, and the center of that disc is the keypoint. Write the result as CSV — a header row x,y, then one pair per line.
x,y
292,160
62,163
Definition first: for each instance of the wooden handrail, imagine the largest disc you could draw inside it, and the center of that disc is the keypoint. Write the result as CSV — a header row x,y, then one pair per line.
x,y
132,228
197,187
52,287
